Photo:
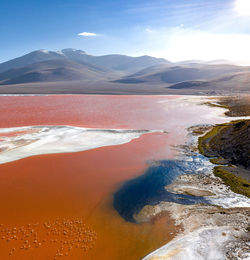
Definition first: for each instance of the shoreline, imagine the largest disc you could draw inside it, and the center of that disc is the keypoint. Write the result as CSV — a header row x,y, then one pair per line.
x,y
228,145
204,225
181,113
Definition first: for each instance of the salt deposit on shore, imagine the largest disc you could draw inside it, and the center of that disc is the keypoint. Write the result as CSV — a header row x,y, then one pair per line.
x,y
20,142
204,243
217,193
210,232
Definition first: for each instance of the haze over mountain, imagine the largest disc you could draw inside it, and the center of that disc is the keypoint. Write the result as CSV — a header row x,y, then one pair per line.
x,y
174,74
236,83
211,62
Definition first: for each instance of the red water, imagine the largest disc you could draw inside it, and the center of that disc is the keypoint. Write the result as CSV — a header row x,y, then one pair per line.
x,y
83,110
72,193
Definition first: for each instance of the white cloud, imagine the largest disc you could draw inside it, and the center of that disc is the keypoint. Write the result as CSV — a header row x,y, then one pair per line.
x,y
148,30
87,34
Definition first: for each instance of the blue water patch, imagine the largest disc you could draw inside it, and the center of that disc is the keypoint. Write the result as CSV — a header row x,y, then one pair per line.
x,y
149,189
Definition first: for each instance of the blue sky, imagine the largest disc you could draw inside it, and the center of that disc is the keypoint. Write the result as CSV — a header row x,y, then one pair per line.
x,y
173,29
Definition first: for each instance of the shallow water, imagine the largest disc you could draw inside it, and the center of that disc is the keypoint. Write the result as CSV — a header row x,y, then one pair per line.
x,y
78,188
149,189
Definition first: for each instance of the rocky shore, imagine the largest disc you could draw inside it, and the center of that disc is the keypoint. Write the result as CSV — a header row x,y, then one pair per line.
x,y
228,145
219,230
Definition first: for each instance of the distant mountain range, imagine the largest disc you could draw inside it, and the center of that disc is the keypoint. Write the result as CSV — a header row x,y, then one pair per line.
x,y
69,64
190,72
75,71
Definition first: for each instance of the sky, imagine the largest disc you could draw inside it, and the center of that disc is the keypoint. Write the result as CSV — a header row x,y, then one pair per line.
x,y
172,29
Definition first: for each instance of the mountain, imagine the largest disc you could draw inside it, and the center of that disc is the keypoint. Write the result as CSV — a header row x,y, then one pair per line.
x,y
211,62
111,62
239,82
177,74
51,71
72,71
115,61
30,58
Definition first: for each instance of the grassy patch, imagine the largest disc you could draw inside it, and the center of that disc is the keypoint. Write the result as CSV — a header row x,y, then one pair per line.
x,y
198,132
236,106
216,105
218,160
204,141
211,144
236,183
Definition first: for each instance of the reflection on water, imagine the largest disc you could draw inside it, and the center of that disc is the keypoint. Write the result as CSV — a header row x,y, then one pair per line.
x,y
149,189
